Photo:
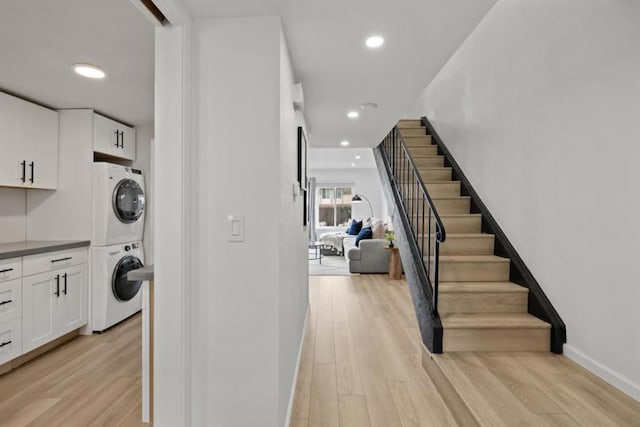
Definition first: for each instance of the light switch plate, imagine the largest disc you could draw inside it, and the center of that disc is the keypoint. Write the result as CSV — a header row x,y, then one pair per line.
x,y
235,228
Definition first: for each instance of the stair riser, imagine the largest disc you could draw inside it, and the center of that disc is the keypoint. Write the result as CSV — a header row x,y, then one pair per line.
x,y
499,339
466,245
413,132
482,302
473,271
470,224
436,189
429,162
452,206
409,123
443,190
417,141
423,150
436,175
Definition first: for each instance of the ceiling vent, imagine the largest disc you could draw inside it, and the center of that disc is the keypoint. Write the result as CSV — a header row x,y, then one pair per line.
x,y
298,97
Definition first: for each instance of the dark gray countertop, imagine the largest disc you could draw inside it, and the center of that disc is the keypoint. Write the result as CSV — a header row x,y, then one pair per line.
x,y
144,273
32,247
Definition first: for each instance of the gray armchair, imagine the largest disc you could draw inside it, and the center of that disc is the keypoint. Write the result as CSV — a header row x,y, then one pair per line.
x,y
370,257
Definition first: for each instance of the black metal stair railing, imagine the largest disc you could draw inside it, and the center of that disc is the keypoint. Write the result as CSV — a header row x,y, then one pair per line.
x,y
426,225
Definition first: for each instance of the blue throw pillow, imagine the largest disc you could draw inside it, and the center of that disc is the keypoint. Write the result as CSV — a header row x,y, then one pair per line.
x,y
354,228
365,233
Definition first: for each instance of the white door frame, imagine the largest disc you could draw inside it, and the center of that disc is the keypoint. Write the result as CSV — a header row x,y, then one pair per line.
x,y
171,163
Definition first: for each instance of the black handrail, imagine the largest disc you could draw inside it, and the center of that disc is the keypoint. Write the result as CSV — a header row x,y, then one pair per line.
x,y
417,204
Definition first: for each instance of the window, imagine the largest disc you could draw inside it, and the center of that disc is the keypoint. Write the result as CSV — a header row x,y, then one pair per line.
x,y
334,206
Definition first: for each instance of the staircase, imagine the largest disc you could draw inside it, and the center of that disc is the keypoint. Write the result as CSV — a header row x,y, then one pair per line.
x,y
479,308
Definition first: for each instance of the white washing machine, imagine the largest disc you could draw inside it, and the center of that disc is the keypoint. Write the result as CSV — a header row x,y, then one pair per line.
x,y
114,298
118,204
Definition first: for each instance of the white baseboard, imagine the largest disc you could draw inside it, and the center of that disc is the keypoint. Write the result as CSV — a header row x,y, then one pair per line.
x,y
287,419
609,375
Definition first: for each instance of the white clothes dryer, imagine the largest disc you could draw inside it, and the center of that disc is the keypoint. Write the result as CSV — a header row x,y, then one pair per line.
x,y
114,298
118,204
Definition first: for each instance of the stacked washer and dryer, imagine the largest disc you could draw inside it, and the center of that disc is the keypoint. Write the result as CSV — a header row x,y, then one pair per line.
x,y
118,227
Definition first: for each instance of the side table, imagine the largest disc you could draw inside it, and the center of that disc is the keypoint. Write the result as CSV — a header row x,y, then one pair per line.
x,y
395,266
317,251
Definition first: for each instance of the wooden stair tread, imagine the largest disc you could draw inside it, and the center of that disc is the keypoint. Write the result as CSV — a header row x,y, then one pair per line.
x,y
473,258
492,321
480,287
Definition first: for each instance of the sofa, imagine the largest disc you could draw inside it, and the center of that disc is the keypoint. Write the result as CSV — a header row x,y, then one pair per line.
x,y
370,257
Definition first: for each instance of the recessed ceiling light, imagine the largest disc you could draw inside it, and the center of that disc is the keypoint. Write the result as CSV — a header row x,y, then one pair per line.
x,y
368,106
357,157
353,114
88,70
344,143
353,164
375,41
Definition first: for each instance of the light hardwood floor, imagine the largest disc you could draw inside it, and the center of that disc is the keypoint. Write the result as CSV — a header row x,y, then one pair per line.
x,y
89,381
361,366
361,358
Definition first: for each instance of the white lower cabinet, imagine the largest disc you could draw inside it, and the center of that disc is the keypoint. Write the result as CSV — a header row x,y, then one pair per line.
x,y
42,297
10,340
54,303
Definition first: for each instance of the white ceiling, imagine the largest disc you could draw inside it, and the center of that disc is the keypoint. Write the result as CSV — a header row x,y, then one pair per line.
x,y
40,40
341,158
326,42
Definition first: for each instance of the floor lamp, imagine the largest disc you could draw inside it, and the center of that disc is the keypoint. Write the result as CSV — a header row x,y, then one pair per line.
x,y
358,199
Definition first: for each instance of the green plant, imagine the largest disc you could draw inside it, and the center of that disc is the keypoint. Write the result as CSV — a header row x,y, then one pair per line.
x,y
390,236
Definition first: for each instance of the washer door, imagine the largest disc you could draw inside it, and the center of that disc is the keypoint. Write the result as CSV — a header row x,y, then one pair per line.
x,y
128,201
123,289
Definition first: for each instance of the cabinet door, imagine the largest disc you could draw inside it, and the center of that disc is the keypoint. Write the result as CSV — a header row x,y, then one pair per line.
x,y
73,298
39,309
29,144
106,139
42,168
128,142
10,340
12,154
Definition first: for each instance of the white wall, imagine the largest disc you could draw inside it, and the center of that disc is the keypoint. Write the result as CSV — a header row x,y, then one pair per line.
x,y
366,182
246,300
13,216
293,243
540,108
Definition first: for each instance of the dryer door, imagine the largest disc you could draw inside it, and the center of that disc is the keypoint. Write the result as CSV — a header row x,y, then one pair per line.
x,y
128,201
123,289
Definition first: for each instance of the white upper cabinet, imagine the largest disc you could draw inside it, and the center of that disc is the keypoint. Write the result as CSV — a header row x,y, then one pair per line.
x,y
29,144
113,138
